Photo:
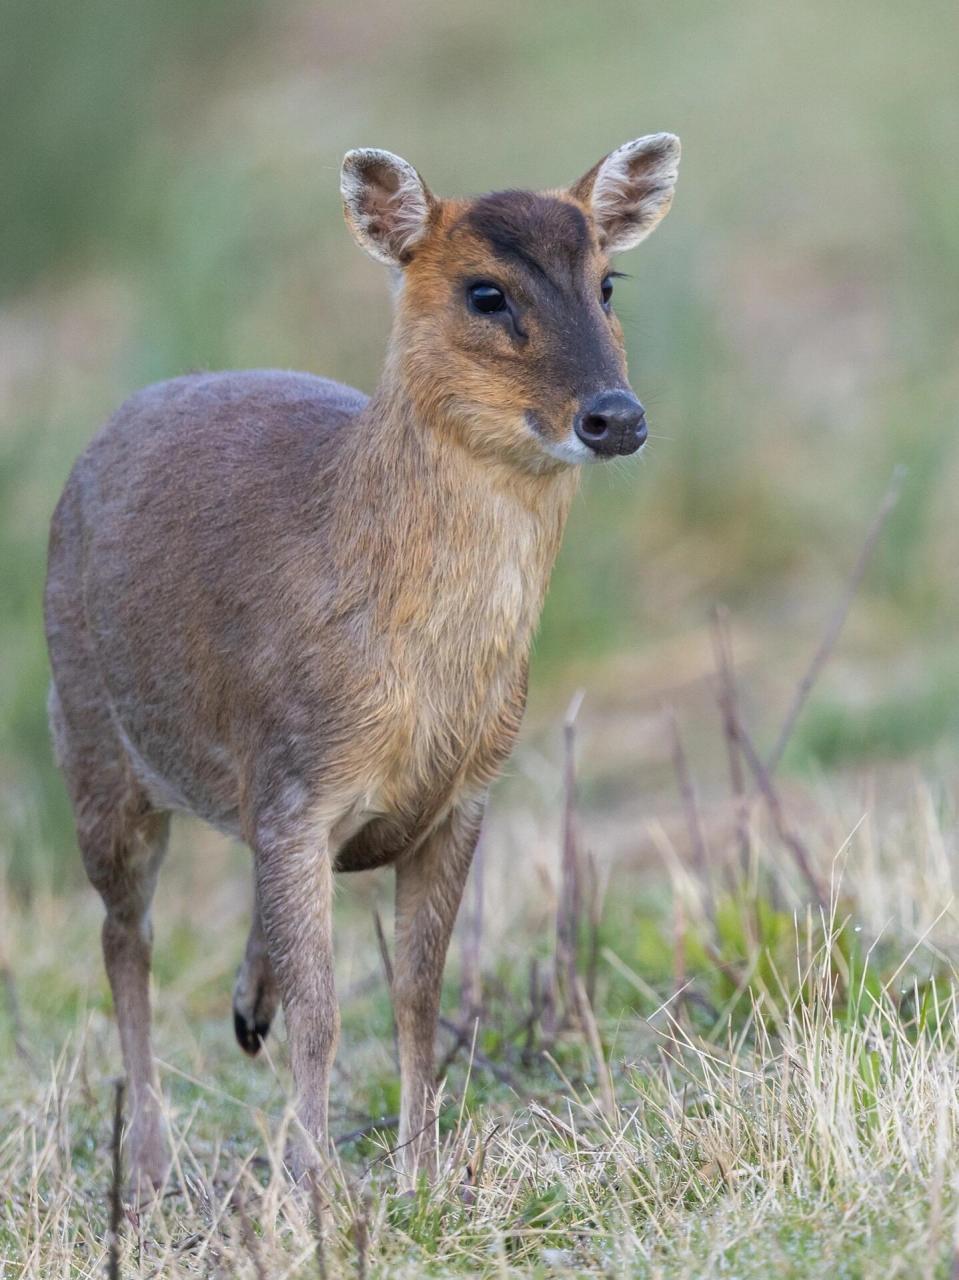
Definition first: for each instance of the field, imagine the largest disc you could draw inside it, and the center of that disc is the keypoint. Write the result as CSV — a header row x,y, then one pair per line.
x,y
750,1081
740,1088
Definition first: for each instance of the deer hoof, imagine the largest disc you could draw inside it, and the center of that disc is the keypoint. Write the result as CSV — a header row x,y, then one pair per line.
x,y
252,1018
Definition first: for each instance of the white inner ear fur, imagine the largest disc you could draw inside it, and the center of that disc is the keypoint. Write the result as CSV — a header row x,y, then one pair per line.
x,y
386,203
633,189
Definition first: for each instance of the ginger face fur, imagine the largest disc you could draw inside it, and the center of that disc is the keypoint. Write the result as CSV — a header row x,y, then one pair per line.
x,y
305,616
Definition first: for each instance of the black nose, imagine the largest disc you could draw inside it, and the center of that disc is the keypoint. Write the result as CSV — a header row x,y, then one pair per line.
x,y
613,422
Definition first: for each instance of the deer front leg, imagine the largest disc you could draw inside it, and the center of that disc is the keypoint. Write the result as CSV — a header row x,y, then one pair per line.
x,y
294,885
429,886
255,993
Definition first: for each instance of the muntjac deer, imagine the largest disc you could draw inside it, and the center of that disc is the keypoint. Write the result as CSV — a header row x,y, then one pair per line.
x,y
304,615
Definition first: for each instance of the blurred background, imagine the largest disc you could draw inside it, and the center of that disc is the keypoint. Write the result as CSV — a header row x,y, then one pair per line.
x,y
169,202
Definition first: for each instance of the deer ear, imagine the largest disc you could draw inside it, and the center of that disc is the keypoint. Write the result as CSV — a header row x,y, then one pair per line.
x,y
387,204
630,191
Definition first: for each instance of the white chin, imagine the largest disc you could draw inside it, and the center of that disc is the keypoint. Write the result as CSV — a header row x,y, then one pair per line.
x,y
571,451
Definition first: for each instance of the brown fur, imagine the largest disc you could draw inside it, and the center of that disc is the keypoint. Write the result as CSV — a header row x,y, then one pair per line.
x,y
305,617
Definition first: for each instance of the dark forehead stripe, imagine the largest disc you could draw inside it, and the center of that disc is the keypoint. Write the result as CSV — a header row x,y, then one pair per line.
x,y
552,239
537,230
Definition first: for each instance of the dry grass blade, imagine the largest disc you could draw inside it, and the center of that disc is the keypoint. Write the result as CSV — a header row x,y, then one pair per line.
x,y
316,1204
116,1184
837,619
473,1181
587,1019
569,903
679,946
567,1132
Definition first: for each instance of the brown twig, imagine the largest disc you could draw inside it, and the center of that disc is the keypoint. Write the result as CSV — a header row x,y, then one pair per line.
x,y
401,1146
594,914
481,1059
774,806
370,1126
464,1035
531,1021
384,949
116,1205
387,972
687,791
837,619
728,699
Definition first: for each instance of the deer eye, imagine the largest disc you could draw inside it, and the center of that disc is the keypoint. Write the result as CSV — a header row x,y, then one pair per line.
x,y
606,290
486,298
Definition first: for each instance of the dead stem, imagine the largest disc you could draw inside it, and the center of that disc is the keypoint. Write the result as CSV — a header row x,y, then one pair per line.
x,y
728,699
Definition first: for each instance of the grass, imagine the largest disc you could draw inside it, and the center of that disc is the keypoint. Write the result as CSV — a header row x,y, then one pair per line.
x,y
775,1092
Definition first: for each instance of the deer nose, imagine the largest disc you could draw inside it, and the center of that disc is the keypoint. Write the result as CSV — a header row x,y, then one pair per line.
x,y
611,423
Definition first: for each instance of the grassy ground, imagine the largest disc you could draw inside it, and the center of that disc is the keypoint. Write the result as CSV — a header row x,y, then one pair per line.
x,y
764,1090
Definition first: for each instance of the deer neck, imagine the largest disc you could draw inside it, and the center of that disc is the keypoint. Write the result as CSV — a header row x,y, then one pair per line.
x,y
452,545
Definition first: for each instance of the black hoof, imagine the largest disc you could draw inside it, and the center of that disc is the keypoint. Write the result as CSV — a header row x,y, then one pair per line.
x,y
249,1035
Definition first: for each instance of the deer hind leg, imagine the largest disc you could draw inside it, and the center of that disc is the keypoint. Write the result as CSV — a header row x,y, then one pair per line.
x,y
123,848
429,887
121,835
256,993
